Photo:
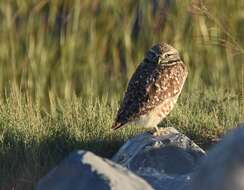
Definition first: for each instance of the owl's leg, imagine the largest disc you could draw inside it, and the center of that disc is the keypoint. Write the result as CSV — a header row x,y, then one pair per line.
x,y
157,132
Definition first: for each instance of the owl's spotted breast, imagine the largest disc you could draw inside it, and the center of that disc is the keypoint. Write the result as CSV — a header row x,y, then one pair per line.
x,y
156,115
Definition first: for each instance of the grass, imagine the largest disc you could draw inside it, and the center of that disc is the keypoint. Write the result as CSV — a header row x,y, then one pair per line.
x,y
33,140
65,64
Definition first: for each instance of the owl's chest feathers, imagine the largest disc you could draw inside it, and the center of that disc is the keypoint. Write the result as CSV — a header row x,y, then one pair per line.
x,y
155,116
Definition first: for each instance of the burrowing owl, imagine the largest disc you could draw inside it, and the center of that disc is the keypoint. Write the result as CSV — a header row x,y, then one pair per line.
x,y
153,89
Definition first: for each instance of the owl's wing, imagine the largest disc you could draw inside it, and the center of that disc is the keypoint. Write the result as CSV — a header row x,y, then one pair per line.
x,y
149,86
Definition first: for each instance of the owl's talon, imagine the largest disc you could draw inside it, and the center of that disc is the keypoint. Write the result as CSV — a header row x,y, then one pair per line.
x,y
160,132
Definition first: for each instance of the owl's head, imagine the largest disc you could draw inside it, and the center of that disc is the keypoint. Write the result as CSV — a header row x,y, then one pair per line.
x,y
163,54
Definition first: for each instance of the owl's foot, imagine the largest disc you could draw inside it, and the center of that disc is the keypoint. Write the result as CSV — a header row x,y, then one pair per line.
x,y
161,131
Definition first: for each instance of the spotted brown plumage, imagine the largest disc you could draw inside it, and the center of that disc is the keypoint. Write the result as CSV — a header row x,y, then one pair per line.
x,y
153,89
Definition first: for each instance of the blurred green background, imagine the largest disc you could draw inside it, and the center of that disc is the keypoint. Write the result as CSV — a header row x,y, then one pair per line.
x,y
65,48
65,64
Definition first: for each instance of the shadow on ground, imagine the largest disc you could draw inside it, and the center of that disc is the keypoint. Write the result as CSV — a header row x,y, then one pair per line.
x,y
30,161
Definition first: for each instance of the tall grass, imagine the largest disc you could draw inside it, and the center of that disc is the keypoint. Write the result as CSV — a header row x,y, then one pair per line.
x,y
64,66
66,48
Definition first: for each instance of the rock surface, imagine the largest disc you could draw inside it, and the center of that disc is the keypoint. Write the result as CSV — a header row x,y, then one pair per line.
x,y
84,170
166,161
223,168
170,161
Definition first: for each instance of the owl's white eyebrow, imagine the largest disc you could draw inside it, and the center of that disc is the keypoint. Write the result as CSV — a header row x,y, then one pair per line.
x,y
169,52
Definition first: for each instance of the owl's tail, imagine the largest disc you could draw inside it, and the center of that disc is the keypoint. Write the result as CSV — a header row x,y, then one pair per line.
x,y
117,125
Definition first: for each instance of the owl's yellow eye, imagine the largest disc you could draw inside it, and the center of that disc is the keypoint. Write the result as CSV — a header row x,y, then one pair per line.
x,y
166,55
